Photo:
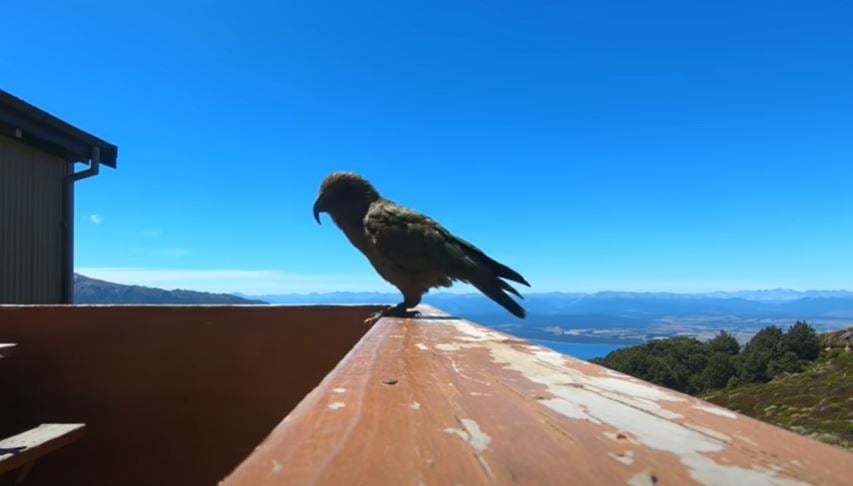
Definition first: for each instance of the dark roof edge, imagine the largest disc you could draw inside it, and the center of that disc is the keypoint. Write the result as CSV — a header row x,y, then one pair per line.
x,y
31,125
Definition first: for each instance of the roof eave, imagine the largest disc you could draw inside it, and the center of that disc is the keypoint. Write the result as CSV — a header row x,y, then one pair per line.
x,y
34,126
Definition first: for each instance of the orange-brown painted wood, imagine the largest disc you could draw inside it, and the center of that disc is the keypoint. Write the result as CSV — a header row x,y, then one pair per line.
x,y
437,400
169,395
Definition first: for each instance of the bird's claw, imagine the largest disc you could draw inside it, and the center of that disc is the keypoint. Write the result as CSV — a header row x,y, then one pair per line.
x,y
399,310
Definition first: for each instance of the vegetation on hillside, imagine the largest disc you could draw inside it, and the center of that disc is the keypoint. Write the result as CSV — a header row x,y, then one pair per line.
x,y
794,379
817,402
689,365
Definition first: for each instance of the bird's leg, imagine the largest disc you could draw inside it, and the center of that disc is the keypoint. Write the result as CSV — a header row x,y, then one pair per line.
x,y
411,299
401,310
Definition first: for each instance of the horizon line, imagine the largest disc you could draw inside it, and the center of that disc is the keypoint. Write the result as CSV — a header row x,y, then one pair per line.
x,y
443,292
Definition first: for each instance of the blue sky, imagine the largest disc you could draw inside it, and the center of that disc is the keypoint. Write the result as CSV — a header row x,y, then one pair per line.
x,y
681,146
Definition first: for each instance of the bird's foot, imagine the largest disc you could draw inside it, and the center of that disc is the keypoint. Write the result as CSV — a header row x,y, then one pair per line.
x,y
399,310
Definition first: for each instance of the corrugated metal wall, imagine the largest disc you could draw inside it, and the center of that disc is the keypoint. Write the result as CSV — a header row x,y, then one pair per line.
x,y
31,231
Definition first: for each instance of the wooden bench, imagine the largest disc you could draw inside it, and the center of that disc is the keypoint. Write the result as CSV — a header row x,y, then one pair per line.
x,y
22,450
7,349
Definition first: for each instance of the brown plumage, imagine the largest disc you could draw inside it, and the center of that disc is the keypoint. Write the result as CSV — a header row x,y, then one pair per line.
x,y
408,249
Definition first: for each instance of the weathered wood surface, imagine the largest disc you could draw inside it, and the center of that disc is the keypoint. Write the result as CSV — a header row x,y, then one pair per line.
x,y
24,448
7,349
439,400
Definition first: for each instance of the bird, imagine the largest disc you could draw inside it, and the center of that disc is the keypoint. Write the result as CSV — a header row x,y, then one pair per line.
x,y
408,249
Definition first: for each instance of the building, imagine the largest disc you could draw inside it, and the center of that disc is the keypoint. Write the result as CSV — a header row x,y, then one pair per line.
x,y
38,153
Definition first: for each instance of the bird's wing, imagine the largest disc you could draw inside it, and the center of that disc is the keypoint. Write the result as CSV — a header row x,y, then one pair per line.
x,y
414,241
418,244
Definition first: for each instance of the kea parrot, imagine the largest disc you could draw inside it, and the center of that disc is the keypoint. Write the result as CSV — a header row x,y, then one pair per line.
x,y
409,250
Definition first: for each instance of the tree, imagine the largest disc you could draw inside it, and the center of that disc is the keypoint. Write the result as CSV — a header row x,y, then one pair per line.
x,y
787,363
802,340
723,343
764,348
717,373
674,363
733,382
755,363
768,339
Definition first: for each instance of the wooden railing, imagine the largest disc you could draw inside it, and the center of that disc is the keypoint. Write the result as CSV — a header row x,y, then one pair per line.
x,y
437,400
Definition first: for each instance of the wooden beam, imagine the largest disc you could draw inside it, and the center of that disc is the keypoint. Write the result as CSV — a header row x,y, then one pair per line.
x,y
440,400
24,448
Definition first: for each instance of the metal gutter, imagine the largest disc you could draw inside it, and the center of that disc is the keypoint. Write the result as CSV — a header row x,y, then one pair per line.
x,y
68,223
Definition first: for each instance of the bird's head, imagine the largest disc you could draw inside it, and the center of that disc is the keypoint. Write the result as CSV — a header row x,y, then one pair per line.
x,y
344,193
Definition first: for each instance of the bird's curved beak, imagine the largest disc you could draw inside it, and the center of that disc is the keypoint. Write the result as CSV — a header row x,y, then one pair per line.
x,y
318,208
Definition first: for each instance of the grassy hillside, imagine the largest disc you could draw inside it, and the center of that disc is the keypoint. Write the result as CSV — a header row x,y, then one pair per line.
x,y
796,379
817,402
93,291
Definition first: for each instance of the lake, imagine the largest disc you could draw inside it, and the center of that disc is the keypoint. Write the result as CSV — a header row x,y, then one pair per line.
x,y
584,351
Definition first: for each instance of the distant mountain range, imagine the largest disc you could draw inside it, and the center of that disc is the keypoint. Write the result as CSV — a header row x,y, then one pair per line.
x,y
92,291
779,302
619,318
626,318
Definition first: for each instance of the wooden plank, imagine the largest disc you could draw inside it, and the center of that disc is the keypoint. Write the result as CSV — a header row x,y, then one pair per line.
x,y
439,400
7,350
24,448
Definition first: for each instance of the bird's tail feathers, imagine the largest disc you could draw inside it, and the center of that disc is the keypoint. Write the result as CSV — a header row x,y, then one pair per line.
x,y
504,271
509,288
485,274
494,288
492,265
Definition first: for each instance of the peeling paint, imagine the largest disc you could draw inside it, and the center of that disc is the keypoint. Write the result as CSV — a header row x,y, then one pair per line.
x,y
642,479
339,390
621,383
617,436
710,433
337,405
478,439
422,346
449,347
415,406
746,439
618,402
705,473
472,434
276,467
457,432
476,333
718,411
463,375
626,458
